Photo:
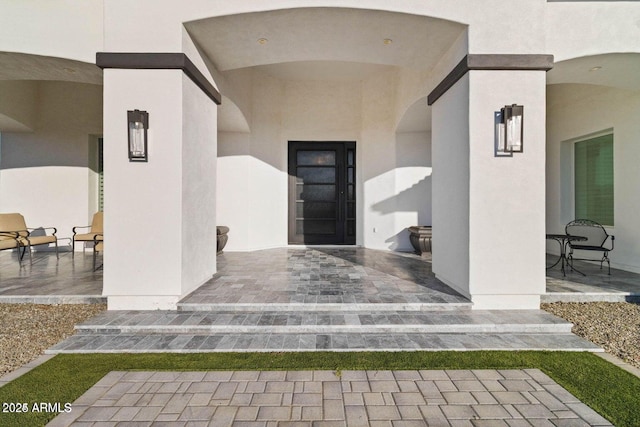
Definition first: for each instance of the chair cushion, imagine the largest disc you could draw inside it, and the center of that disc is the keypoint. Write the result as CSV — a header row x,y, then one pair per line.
x,y
12,222
8,243
87,237
38,240
96,223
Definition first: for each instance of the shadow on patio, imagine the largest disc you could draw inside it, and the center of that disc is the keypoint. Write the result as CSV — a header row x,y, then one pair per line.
x,y
295,275
595,285
49,280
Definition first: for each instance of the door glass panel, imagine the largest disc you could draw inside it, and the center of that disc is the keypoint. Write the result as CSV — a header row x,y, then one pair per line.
x,y
351,228
316,158
305,210
316,192
316,175
322,206
351,210
315,226
350,192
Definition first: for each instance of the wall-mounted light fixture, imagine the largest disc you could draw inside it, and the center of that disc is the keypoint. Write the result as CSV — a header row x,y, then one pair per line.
x,y
138,122
510,133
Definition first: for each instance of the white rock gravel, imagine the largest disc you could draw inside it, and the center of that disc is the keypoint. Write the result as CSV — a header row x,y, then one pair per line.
x,y
615,326
27,330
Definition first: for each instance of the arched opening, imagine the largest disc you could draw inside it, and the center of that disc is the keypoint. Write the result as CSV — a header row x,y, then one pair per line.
x,y
50,120
595,101
326,74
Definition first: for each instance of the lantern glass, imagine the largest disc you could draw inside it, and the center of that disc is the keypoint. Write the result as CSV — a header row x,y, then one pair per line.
x,y
138,125
511,138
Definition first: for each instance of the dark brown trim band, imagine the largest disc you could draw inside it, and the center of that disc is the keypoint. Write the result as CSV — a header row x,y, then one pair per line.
x,y
158,61
490,62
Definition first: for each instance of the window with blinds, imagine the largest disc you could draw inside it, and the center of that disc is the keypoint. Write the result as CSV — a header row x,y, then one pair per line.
x,y
593,165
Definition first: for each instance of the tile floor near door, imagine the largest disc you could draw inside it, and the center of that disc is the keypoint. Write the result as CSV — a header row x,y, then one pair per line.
x,y
310,276
72,279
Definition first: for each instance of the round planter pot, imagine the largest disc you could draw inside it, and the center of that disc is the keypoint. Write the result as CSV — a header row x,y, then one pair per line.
x,y
420,237
221,238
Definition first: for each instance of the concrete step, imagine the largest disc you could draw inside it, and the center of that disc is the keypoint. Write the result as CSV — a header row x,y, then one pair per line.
x,y
187,343
323,307
277,331
361,322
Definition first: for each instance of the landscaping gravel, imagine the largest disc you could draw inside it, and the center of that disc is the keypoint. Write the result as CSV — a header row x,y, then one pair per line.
x,y
29,329
615,326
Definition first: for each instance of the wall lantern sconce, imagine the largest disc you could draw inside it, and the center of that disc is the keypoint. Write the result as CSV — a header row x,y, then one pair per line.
x,y
138,122
510,129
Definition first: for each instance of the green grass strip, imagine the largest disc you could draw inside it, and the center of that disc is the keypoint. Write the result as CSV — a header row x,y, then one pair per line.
x,y
609,390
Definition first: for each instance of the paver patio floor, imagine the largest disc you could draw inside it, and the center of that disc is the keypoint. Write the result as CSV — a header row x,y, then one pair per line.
x,y
51,280
491,398
323,276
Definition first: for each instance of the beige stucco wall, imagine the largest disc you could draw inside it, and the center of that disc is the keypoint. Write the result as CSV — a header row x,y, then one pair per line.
x,y
576,29
199,148
367,111
45,174
18,105
411,203
61,28
451,175
171,197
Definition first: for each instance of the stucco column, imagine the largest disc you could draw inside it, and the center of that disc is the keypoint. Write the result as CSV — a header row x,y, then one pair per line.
x,y
160,216
489,211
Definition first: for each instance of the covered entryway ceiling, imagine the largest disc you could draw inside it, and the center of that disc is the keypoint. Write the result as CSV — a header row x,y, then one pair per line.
x,y
20,73
619,70
297,39
20,66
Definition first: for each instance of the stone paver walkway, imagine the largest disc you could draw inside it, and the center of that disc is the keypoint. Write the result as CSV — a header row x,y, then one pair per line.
x,y
325,398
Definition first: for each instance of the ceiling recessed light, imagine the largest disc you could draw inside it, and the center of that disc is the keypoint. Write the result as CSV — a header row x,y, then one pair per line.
x,y
387,41
595,68
262,40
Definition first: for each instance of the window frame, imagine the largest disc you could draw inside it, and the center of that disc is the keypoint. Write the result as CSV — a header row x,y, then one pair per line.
x,y
568,175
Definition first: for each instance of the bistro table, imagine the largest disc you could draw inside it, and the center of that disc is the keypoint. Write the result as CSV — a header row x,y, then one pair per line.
x,y
563,240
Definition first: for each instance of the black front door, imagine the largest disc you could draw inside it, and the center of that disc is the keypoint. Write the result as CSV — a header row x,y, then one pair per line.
x,y
322,192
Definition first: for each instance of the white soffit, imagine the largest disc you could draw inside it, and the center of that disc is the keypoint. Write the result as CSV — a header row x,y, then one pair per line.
x,y
335,71
324,34
7,124
20,66
417,118
230,118
619,70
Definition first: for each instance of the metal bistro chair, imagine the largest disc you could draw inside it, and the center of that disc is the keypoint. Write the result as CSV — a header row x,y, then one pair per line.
x,y
597,240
